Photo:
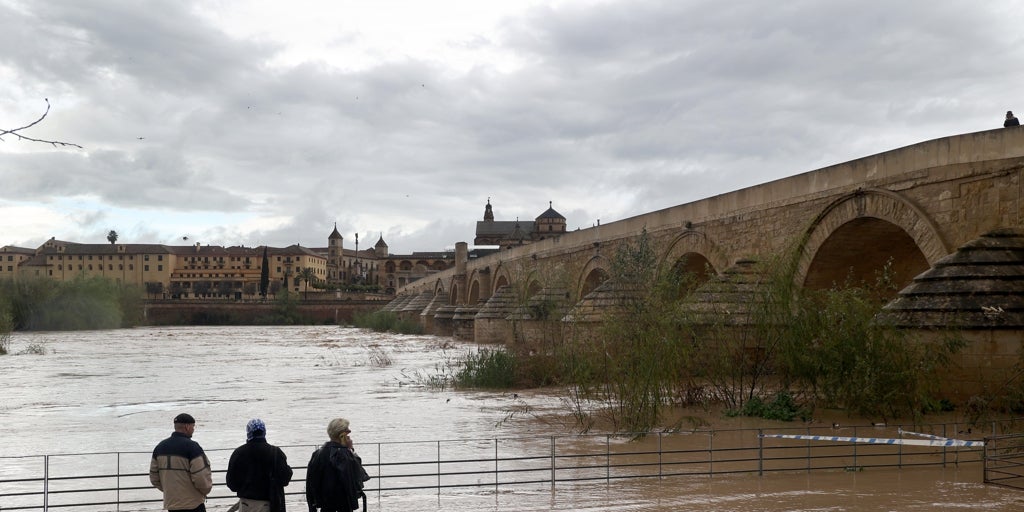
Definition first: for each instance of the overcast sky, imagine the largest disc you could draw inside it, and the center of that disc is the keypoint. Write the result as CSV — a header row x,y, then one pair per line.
x,y
266,122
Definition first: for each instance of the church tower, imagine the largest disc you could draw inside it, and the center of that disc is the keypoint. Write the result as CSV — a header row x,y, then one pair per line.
x,y
549,223
380,249
334,255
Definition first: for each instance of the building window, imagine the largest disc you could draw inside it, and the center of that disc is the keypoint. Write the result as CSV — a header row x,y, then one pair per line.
x,y
159,257
131,266
110,266
159,268
10,268
146,268
145,257
90,265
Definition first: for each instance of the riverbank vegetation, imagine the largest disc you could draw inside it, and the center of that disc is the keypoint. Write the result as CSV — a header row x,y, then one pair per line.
x,y
6,327
386,321
749,341
82,303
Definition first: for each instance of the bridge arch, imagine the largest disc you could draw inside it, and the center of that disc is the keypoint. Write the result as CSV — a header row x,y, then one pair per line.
x,y
501,278
855,235
532,287
453,296
438,287
694,253
475,288
594,273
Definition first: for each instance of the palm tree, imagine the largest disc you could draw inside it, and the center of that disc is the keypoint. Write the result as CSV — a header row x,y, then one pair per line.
x,y
308,276
112,237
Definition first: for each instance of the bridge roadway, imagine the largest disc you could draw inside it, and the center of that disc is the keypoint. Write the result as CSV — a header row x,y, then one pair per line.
x,y
909,207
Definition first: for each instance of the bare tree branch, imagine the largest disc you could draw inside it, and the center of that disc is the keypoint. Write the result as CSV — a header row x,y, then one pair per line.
x,y
54,143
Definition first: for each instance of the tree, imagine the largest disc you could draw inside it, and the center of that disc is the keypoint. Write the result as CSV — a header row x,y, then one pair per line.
x,y
201,288
54,143
154,288
225,288
264,274
308,276
250,288
112,237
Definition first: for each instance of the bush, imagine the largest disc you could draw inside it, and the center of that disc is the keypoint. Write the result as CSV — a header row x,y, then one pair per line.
x,y
486,368
783,407
33,349
386,321
6,326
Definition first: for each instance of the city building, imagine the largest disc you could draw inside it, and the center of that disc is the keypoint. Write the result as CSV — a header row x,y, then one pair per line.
x,y
510,233
214,272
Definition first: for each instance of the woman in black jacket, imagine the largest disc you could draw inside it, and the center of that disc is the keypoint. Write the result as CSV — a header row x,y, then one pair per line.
x,y
258,472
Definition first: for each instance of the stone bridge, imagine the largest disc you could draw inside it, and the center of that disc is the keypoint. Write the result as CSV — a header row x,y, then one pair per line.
x,y
910,208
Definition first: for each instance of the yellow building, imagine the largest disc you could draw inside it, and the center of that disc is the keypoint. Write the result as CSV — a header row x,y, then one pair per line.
x,y
215,272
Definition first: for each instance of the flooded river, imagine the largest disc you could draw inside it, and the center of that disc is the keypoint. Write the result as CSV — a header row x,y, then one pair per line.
x,y
117,391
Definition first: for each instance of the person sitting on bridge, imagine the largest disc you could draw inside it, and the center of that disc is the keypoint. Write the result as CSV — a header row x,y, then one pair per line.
x,y
1011,120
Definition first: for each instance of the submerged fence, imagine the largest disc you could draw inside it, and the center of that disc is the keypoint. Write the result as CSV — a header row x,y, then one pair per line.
x,y
120,481
1004,460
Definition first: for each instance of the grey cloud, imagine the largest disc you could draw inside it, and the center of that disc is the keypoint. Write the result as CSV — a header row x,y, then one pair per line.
x,y
646,103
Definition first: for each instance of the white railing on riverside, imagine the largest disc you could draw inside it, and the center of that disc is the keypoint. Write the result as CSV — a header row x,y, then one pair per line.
x,y
119,481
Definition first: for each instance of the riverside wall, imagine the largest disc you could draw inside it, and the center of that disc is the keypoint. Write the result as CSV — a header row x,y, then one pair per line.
x,y
205,312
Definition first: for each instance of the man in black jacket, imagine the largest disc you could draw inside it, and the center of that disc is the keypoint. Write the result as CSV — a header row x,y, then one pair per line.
x,y
1011,120
335,474
258,472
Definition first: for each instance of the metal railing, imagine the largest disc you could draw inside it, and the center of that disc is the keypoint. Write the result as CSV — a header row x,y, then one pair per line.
x,y
120,480
1004,460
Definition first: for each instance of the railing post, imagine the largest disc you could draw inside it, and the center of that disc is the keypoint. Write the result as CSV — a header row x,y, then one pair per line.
x,y
760,452
118,481
855,449
496,473
439,469
899,450
711,452
553,461
608,458
945,434
808,449
661,462
46,483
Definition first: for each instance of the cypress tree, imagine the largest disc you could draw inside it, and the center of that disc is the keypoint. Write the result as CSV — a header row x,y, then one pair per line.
x,y
264,274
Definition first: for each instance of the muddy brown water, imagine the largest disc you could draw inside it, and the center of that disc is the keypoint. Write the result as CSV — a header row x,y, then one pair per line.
x,y
116,391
